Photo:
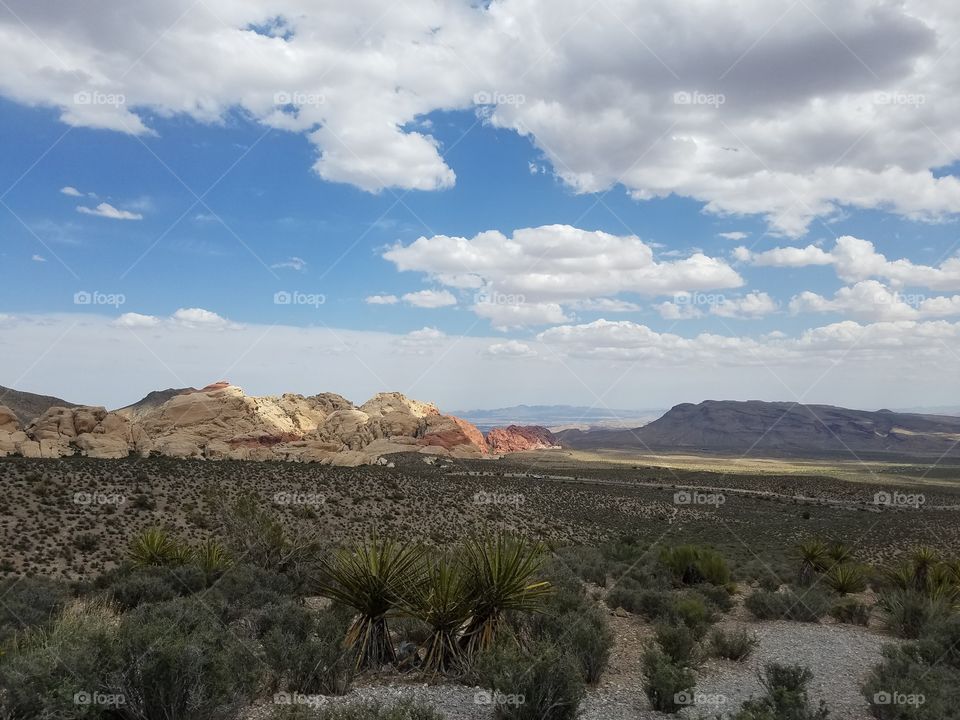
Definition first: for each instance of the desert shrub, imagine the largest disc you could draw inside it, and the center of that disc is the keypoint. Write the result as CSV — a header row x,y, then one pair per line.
x,y
305,652
692,611
360,711
717,596
785,696
138,585
29,603
679,644
637,600
847,578
691,565
176,660
807,606
851,611
43,672
732,645
909,614
548,681
587,562
663,681
248,587
582,632
910,672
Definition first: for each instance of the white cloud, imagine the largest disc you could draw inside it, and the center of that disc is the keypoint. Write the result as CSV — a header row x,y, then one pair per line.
x,y
749,108
136,320
511,349
672,310
293,263
604,305
735,235
690,306
505,316
424,341
538,270
200,319
381,300
430,299
750,306
106,210
872,300
855,260
71,191
38,258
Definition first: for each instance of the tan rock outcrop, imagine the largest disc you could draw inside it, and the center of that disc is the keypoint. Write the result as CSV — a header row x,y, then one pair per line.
x,y
516,438
90,431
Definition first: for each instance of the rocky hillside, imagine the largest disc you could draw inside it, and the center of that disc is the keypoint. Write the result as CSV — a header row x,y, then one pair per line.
x,y
781,429
515,438
26,406
220,421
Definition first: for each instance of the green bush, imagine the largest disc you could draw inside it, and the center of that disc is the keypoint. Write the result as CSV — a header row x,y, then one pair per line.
x,y
663,681
807,606
176,660
541,683
679,644
717,596
304,651
910,672
587,562
358,711
692,565
28,603
785,696
851,611
149,584
910,614
733,645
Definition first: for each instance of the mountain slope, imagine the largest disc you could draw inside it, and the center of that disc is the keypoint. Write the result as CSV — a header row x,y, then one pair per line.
x,y
783,429
27,406
150,402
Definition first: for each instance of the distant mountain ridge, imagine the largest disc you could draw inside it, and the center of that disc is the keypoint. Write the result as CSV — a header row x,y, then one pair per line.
x,y
26,406
557,416
755,428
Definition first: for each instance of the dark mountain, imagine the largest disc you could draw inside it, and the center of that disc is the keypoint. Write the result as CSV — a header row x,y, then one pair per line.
x,y
150,401
27,406
780,429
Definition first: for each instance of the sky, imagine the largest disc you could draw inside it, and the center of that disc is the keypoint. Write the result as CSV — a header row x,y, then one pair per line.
x,y
611,204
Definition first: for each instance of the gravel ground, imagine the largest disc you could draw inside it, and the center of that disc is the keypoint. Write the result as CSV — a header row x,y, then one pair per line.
x,y
839,655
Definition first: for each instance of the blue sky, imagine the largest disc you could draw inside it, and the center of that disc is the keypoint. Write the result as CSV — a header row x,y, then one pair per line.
x,y
639,233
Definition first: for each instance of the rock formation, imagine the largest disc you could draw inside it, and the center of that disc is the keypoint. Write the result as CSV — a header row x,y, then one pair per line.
x,y
516,438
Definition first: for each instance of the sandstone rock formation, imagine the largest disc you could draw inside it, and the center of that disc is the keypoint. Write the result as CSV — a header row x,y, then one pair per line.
x,y
516,438
90,431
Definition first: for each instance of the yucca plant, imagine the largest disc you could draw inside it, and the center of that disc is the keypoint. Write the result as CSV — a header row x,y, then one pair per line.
x,y
154,546
839,553
814,558
373,578
442,602
500,578
847,578
923,559
211,557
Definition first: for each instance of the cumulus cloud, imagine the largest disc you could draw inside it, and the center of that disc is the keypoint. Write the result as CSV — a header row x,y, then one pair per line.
x,y
873,300
750,306
511,349
430,298
136,320
750,109
106,210
534,272
689,306
605,305
71,191
424,341
200,319
734,235
855,260
381,300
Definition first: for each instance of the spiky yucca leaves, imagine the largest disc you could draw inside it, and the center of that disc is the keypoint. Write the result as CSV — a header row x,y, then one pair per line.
x,y
839,553
923,559
373,578
814,558
500,576
847,578
154,546
212,558
442,602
